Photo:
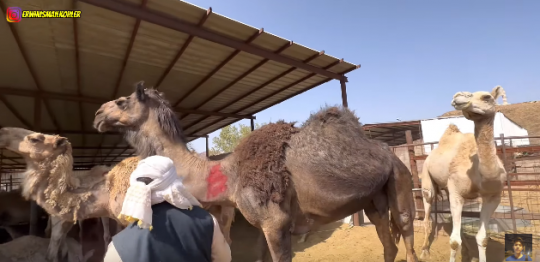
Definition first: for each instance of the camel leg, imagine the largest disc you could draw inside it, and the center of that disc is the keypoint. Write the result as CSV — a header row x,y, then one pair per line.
x,y
58,236
381,220
456,207
303,238
429,197
279,243
48,228
401,204
262,247
277,231
106,231
489,204
227,219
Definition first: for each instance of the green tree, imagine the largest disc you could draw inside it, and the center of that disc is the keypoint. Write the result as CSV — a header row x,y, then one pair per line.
x,y
229,137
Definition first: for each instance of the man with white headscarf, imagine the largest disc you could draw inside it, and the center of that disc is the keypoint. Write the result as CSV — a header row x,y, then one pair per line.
x,y
168,223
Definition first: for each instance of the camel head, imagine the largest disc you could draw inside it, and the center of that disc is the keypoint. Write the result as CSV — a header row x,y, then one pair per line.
x,y
32,145
478,104
144,116
129,112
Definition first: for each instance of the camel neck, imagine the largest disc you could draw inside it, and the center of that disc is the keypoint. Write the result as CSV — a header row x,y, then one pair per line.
x,y
206,180
60,193
487,151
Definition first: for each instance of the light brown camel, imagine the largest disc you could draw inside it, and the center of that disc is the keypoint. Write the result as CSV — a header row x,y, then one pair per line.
x,y
15,214
69,196
325,170
50,182
467,166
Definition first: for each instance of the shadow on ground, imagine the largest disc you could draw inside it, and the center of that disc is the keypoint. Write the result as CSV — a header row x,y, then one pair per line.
x,y
469,247
244,239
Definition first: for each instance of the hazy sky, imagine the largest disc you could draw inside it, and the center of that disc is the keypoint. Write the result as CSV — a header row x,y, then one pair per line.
x,y
414,54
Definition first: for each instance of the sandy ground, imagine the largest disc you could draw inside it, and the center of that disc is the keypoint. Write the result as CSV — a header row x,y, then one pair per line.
x,y
338,242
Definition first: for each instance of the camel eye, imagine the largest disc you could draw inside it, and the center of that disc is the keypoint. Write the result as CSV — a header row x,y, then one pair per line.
x,y
34,140
486,97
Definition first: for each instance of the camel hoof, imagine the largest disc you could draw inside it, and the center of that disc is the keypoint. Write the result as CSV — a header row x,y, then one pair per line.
x,y
425,255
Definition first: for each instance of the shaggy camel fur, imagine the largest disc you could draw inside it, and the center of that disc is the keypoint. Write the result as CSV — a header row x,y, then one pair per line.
x,y
34,249
50,182
319,173
468,167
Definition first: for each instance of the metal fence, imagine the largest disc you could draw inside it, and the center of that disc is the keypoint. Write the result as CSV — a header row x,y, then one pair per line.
x,y
519,210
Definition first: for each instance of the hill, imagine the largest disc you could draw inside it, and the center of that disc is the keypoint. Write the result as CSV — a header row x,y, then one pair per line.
x,y
526,114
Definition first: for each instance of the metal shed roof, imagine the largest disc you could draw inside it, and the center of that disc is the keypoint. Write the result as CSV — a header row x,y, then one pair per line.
x,y
393,133
214,70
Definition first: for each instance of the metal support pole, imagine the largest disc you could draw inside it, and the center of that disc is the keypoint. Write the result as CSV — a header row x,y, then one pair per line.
x,y
33,205
414,172
252,124
512,215
344,92
207,147
1,162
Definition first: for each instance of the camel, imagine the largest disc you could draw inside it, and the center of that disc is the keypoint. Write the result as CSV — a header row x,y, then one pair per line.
x,y
280,174
15,218
467,166
50,182
68,197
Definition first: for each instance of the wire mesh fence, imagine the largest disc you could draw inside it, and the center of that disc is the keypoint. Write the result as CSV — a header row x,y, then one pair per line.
x,y
519,209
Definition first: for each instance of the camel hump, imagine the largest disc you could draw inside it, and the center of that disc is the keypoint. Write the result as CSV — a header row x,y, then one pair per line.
x,y
452,128
334,115
261,161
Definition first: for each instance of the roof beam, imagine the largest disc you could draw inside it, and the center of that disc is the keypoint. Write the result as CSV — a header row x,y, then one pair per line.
x,y
124,63
309,59
271,94
292,95
15,112
78,132
183,48
78,69
28,65
98,100
255,67
217,68
168,21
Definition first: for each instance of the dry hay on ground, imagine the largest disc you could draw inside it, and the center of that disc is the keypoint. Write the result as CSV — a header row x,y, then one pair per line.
x,y
523,114
338,242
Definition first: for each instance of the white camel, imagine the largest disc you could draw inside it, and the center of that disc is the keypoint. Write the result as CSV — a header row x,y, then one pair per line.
x,y
467,166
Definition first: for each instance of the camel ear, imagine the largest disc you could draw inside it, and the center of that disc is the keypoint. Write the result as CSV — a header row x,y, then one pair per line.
x,y
61,141
141,95
496,92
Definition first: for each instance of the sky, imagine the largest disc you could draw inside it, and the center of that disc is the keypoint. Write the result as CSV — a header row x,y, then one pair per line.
x,y
415,55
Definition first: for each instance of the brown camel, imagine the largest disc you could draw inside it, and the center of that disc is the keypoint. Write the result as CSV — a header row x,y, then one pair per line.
x,y
467,166
324,171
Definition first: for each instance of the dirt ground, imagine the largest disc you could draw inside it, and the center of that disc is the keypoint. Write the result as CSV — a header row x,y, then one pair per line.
x,y
338,242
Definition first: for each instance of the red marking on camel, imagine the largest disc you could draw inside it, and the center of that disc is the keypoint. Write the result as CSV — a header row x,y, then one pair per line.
x,y
217,182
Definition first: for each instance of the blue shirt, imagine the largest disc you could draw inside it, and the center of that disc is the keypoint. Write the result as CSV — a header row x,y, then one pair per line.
x,y
513,258
178,236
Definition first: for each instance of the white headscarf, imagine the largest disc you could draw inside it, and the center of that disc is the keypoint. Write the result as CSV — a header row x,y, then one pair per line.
x,y
166,186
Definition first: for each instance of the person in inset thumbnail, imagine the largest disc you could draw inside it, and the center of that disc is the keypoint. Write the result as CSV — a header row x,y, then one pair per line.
x,y
518,249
